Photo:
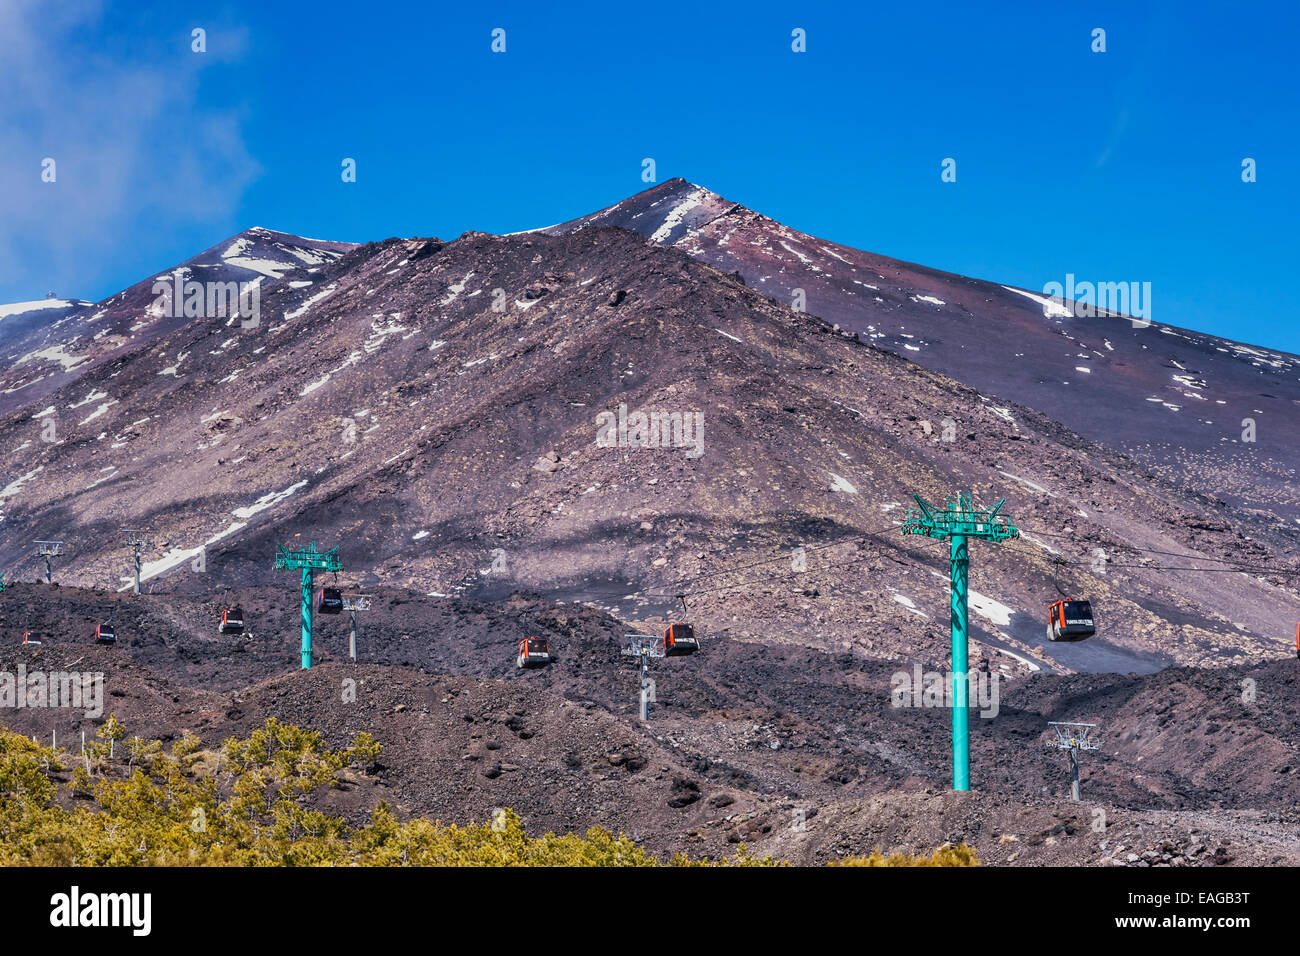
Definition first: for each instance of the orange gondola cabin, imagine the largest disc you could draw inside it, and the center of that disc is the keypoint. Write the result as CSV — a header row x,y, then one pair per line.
x,y
1069,620
105,634
680,640
329,600
232,620
532,652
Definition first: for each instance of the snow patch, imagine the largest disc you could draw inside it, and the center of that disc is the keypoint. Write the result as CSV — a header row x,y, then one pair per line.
x,y
99,411
676,214
302,309
92,396
313,386
908,603
18,308
1051,307
1027,483
841,484
989,609
56,353
17,485
456,289
268,501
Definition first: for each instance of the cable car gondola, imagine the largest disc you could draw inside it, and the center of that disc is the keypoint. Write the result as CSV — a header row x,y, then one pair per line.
x,y
329,600
532,652
232,617
106,633
1069,619
232,620
679,638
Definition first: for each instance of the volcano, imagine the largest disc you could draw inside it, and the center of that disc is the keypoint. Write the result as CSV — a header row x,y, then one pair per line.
x,y
602,415
621,422
1205,412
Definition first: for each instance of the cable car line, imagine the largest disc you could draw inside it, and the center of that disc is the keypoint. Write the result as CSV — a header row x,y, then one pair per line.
x,y
1131,547
683,586
785,557
777,577
1232,569
694,592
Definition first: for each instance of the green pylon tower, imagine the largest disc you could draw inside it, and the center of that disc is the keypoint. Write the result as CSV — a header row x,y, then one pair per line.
x,y
958,521
2,584
309,561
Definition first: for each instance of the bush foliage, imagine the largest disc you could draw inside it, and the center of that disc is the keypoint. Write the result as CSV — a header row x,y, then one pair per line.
x,y
132,802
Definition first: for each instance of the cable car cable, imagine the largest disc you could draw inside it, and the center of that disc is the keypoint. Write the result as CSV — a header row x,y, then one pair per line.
x,y
728,587
783,557
1234,569
776,577
1131,547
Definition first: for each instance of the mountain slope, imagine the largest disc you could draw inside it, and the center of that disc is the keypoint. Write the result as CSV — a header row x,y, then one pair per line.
x,y
452,448
48,349
1175,400
739,735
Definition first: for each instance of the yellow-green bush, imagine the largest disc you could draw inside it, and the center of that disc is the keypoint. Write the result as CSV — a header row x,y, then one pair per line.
x,y
947,855
245,805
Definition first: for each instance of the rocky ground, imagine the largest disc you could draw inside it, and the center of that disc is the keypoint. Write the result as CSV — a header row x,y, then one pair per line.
x,y
439,411
1174,399
791,750
448,448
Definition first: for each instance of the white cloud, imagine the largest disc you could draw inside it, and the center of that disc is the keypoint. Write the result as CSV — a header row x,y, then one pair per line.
x,y
114,101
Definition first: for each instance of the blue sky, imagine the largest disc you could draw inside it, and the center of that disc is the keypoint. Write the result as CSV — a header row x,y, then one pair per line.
x,y
1115,166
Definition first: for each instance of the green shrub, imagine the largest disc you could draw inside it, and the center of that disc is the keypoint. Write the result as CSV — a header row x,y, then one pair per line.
x,y
245,805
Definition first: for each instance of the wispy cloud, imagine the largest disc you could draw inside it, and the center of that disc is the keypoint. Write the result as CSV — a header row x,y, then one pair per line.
x,y
120,116
1117,131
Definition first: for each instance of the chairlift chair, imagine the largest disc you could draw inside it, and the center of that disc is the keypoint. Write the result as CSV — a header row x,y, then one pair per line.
x,y
1069,619
29,636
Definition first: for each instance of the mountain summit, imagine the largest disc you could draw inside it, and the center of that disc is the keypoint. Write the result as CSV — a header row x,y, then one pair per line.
x,y
602,419
1209,413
